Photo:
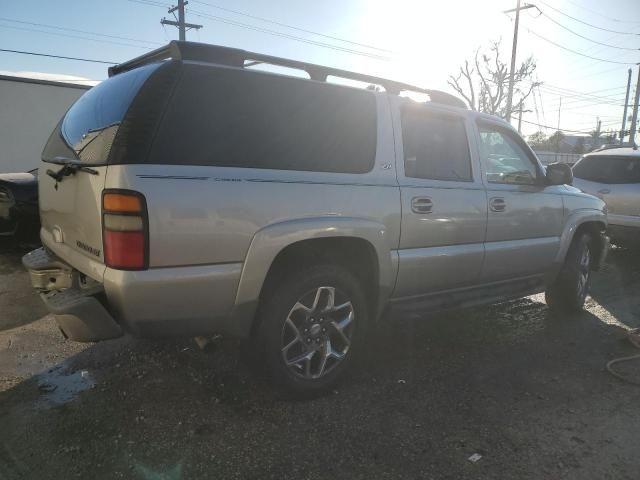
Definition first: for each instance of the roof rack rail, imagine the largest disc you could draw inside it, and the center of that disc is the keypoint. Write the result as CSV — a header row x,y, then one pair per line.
x,y
202,52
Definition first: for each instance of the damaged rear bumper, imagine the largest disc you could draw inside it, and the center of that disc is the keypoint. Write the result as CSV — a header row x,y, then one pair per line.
x,y
77,308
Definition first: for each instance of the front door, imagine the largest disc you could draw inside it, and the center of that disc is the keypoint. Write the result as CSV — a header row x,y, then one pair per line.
x,y
525,215
444,204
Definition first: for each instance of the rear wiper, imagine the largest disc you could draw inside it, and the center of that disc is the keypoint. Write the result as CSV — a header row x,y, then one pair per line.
x,y
70,167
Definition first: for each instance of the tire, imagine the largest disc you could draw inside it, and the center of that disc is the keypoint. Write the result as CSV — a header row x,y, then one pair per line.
x,y
292,329
570,289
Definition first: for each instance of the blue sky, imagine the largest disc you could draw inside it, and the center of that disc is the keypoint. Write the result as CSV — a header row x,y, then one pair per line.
x,y
422,41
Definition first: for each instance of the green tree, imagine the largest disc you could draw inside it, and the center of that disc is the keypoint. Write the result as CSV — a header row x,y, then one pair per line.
x,y
538,140
555,139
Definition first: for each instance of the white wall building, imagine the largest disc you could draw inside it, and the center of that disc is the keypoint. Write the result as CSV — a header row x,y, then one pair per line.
x,y
29,111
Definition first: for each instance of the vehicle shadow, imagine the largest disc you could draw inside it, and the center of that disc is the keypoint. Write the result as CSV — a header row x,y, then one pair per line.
x,y
522,387
510,382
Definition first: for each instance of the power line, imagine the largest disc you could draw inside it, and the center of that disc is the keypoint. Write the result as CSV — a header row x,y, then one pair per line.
x,y
587,95
60,34
22,52
555,128
570,93
285,35
576,52
151,2
586,23
550,127
236,23
572,99
304,30
584,37
12,20
600,14
584,66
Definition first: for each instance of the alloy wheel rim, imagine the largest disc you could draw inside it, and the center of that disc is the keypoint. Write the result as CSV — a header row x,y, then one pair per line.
x,y
317,333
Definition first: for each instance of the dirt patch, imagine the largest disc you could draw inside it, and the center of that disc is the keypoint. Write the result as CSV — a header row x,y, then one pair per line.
x,y
526,391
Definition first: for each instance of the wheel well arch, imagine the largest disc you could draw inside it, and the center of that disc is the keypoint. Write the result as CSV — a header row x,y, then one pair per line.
x,y
594,228
356,254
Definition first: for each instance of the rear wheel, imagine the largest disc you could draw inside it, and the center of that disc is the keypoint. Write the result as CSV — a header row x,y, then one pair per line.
x,y
570,289
311,328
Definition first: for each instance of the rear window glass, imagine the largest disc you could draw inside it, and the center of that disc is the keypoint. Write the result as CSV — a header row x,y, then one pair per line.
x,y
231,118
90,125
435,146
608,169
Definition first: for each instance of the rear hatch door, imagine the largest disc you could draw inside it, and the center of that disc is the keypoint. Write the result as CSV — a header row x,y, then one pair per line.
x,y
74,168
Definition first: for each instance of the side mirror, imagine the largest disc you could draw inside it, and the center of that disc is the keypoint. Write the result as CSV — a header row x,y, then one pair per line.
x,y
559,174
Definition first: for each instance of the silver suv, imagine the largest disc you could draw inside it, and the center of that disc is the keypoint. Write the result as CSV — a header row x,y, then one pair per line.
x,y
195,193
614,175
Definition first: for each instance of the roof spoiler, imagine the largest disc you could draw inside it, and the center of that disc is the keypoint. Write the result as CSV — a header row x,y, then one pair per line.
x,y
202,52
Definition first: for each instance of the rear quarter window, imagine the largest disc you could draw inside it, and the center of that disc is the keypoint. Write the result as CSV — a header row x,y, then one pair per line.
x,y
234,118
89,127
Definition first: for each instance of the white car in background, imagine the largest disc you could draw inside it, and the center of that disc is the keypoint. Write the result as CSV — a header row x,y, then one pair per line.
x,y
614,176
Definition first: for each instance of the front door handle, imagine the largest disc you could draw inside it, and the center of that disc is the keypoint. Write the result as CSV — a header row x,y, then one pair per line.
x,y
604,191
497,204
421,205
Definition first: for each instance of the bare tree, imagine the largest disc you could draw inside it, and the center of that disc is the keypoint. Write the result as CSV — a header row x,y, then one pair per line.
x,y
484,82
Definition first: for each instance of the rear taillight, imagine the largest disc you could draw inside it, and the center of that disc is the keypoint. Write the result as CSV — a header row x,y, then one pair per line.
x,y
125,230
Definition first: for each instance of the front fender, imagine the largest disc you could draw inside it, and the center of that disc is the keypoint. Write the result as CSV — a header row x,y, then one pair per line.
x,y
573,222
268,242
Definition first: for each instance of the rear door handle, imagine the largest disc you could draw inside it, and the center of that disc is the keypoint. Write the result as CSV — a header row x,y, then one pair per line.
x,y
604,191
421,205
497,204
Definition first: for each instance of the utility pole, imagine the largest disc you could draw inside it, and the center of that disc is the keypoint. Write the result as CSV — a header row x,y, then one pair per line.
x,y
520,118
634,118
558,131
179,22
513,54
626,103
520,112
559,108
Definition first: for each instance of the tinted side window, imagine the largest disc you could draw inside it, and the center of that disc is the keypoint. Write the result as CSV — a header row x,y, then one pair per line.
x,y
623,170
505,161
634,171
234,118
435,146
589,168
608,169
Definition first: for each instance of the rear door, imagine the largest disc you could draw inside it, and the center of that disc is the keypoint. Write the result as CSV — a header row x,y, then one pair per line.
x,y
525,216
70,205
444,204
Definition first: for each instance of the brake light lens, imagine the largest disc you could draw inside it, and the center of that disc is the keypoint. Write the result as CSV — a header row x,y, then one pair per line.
x,y
125,230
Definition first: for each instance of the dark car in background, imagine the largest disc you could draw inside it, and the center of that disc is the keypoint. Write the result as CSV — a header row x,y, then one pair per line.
x,y
19,216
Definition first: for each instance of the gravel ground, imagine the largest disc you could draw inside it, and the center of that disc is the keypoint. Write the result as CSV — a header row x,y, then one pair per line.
x,y
525,390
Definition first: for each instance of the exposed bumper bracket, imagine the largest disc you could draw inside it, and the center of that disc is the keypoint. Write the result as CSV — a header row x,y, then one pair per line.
x,y
79,314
